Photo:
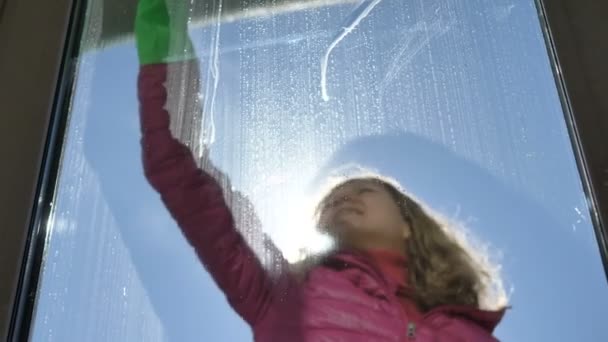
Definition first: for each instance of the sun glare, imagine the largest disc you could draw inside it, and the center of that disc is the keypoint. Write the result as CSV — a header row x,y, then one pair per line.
x,y
287,213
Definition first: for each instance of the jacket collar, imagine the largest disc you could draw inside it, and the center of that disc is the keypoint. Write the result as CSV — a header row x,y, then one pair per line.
x,y
344,259
486,319
365,273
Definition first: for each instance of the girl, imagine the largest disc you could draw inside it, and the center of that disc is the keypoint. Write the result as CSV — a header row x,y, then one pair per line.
x,y
396,273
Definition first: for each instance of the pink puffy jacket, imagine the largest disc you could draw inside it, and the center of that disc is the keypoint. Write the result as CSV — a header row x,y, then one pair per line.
x,y
344,299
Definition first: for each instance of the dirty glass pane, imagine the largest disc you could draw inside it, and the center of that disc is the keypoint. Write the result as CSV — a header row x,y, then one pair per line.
x,y
454,99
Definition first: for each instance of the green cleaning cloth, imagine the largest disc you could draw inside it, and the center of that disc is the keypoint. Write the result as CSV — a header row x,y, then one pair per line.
x,y
161,36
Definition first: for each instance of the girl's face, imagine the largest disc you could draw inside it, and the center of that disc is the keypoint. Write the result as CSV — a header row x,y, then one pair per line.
x,y
363,212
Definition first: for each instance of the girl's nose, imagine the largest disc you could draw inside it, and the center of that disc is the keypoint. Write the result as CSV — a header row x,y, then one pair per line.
x,y
342,199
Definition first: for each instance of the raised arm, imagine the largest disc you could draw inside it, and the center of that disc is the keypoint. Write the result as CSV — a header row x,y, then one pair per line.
x,y
193,196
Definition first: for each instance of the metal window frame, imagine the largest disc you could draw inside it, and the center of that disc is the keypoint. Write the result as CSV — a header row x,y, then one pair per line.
x,y
40,65
575,34
40,37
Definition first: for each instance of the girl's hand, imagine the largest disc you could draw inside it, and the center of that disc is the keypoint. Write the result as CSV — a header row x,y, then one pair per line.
x,y
161,35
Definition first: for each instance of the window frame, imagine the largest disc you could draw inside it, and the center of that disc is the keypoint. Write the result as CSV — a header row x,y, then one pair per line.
x,y
573,36
38,125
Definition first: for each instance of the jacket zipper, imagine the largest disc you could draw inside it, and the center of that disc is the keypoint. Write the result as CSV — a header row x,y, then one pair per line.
x,y
411,330
411,326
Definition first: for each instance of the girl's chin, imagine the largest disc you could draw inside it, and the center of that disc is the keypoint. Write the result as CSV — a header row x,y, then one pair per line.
x,y
345,226
348,218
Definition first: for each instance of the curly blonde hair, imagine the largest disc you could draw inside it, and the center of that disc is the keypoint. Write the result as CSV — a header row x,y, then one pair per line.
x,y
443,265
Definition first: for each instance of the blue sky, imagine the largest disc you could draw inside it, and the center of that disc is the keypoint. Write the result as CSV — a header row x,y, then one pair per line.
x,y
455,100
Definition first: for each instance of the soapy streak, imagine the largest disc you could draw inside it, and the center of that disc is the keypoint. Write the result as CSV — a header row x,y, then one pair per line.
x,y
360,13
208,137
410,47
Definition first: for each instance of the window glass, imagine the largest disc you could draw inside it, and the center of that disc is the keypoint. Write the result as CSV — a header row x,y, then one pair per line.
x,y
453,99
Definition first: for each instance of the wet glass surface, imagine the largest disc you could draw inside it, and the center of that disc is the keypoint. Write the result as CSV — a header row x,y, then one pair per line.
x,y
456,100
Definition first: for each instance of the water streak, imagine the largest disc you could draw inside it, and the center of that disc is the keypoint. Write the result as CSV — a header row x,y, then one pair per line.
x,y
208,136
415,40
360,13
